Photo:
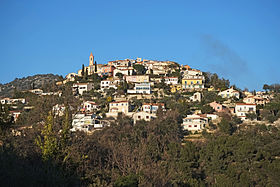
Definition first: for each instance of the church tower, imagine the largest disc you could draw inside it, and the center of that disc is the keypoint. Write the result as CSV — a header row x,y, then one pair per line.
x,y
91,60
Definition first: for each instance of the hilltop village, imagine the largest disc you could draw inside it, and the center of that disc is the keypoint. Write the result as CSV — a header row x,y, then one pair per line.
x,y
144,89
138,122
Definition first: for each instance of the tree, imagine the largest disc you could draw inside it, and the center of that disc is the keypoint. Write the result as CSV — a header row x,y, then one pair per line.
x,y
119,75
251,115
6,120
48,142
225,127
83,70
95,67
85,75
140,69
66,126
207,109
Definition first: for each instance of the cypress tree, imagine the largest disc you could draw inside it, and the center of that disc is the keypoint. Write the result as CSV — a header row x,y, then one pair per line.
x,y
95,67
83,70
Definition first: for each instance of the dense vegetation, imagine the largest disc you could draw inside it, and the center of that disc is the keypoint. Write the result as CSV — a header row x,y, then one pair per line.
x,y
142,154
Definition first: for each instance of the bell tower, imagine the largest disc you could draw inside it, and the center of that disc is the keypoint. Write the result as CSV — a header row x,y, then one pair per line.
x,y
91,60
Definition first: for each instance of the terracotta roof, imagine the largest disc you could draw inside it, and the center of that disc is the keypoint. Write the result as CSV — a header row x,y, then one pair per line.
x,y
244,104
119,102
154,104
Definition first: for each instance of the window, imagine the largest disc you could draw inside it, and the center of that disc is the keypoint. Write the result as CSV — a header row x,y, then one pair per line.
x,y
190,125
147,117
195,125
139,117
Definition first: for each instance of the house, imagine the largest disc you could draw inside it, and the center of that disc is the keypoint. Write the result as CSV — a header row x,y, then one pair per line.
x,y
36,91
255,100
217,106
12,101
193,82
107,70
79,88
86,123
191,72
229,93
143,116
137,78
52,93
109,83
211,89
175,87
171,80
118,63
126,71
152,108
70,77
90,106
58,109
117,107
15,115
241,109
141,88
195,122
196,97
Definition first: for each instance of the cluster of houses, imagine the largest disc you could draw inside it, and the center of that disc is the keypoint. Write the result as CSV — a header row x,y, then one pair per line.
x,y
187,79
145,85
13,103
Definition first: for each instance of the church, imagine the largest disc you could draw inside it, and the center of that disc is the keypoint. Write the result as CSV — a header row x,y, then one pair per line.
x,y
90,69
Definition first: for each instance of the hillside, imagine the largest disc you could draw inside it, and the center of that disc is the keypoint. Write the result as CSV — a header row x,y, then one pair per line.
x,y
26,83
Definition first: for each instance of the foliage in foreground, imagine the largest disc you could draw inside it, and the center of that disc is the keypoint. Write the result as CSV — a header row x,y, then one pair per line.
x,y
142,154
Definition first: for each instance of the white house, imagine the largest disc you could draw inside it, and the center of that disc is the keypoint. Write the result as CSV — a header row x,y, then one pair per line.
x,y
36,91
126,71
255,100
79,88
141,88
12,101
109,83
86,123
152,107
90,106
171,80
137,78
143,116
117,107
229,93
59,109
241,109
195,122
191,72
196,97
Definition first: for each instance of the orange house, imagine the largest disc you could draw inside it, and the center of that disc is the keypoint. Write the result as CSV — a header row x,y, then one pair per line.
x,y
107,70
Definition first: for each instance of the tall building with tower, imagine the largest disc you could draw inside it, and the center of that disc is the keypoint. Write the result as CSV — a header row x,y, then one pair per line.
x,y
90,68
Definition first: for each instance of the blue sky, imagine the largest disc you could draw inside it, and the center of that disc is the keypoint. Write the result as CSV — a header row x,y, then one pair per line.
x,y
239,40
